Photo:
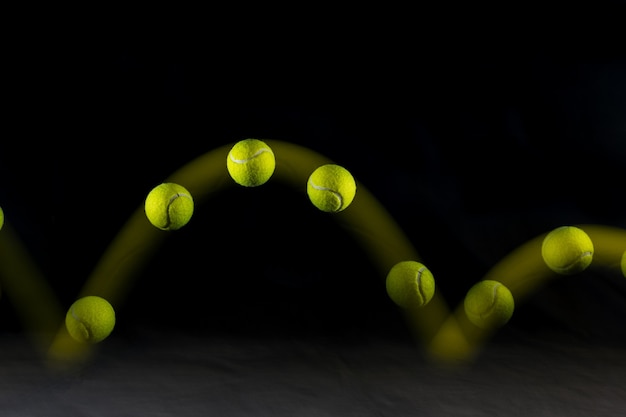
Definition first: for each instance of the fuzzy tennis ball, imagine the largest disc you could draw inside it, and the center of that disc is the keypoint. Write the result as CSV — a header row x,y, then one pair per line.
x,y
567,250
624,264
410,283
331,188
90,319
489,304
251,162
169,206
1,218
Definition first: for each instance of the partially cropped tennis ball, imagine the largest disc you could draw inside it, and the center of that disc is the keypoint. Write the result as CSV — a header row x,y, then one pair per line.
x,y
90,319
331,188
624,264
567,250
410,283
489,304
251,162
169,206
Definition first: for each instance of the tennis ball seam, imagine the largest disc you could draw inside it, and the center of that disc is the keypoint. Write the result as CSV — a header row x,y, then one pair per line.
x,y
573,264
253,156
419,283
169,205
494,301
82,323
334,192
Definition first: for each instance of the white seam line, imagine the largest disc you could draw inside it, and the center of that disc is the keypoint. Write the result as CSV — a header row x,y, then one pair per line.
x,y
243,161
320,188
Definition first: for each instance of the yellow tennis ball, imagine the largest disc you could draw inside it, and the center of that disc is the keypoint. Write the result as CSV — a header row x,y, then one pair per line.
x,y
90,319
410,283
251,162
567,250
489,304
624,264
331,188
169,206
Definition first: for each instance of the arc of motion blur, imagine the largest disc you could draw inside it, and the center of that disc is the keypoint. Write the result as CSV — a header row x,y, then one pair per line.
x,y
446,334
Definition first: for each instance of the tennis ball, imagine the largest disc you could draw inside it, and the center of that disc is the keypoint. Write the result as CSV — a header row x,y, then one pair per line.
x,y
1,218
567,250
169,206
251,162
489,304
410,283
90,319
331,188
624,264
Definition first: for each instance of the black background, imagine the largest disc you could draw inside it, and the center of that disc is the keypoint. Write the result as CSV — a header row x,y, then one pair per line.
x,y
474,139
473,145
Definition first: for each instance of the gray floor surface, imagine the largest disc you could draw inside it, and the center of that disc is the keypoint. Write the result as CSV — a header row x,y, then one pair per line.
x,y
182,375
